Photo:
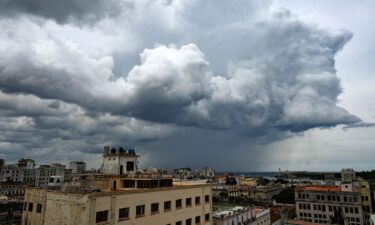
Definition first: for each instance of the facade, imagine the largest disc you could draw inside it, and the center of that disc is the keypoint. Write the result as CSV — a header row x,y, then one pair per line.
x,y
235,215
13,189
11,172
26,163
44,172
177,205
77,167
328,205
348,175
262,216
119,161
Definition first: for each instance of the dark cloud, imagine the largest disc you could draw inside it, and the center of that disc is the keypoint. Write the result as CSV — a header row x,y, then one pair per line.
x,y
256,74
62,11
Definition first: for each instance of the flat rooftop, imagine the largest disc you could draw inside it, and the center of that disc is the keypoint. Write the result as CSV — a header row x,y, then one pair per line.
x,y
320,188
120,191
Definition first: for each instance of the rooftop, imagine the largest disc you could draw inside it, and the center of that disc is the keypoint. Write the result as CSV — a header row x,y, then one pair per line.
x,y
320,188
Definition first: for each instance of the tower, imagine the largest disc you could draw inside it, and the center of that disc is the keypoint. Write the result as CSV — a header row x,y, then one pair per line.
x,y
119,161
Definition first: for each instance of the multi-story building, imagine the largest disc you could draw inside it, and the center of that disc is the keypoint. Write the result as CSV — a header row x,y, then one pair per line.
x,y
77,167
26,163
348,175
13,189
111,199
11,172
262,216
329,205
44,172
235,215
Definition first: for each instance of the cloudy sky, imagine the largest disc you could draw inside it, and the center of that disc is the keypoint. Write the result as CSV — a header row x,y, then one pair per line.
x,y
236,85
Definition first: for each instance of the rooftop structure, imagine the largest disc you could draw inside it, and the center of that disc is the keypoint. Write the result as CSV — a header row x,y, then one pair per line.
x,y
119,161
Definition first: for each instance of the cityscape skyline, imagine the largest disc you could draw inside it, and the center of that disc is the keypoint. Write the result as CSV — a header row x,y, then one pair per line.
x,y
238,86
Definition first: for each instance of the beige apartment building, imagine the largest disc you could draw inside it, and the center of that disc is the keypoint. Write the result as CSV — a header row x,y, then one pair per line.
x,y
120,199
174,205
329,205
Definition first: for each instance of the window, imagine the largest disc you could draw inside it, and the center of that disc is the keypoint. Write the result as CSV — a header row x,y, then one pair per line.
x,y
123,213
140,210
188,202
206,198
39,208
188,222
207,217
154,208
30,206
356,211
197,220
179,223
197,200
167,205
24,206
101,216
178,204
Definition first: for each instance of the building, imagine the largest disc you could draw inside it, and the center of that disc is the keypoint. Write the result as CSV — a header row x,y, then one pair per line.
x,y
348,175
299,222
328,205
44,172
119,161
13,189
26,163
278,214
11,172
262,216
235,215
77,167
111,199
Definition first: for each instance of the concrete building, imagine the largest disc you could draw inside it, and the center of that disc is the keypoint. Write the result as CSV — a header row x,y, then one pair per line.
x,y
121,200
119,161
235,215
77,167
11,172
348,175
262,216
329,205
26,163
13,189
44,172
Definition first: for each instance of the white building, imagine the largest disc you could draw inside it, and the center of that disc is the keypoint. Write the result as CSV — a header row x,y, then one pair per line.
x,y
235,215
119,161
77,166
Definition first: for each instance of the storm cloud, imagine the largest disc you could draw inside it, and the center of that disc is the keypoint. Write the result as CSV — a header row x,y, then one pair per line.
x,y
146,71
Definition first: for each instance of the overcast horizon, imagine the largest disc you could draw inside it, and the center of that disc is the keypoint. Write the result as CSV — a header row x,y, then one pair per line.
x,y
238,86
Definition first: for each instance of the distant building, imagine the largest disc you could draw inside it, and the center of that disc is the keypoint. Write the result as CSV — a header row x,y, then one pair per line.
x,y
278,214
348,175
119,161
77,166
26,163
328,205
235,215
11,172
13,189
45,172
300,222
